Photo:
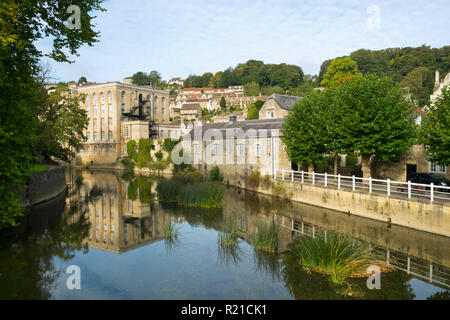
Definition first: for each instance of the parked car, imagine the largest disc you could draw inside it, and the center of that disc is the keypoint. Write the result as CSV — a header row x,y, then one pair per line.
x,y
428,178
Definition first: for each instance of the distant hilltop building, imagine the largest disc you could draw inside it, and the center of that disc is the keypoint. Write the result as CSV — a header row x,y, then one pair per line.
x,y
177,81
209,98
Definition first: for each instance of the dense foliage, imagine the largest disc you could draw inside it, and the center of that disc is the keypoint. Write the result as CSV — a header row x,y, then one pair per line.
x,y
398,63
253,74
340,70
143,79
22,24
435,130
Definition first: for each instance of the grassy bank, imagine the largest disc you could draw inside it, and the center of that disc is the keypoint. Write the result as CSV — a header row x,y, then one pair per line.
x,y
39,168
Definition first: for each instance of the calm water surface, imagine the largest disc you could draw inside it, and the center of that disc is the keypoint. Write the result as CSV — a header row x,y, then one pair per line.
x,y
116,238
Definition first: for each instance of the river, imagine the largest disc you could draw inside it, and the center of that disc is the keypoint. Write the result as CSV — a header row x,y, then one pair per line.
x,y
116,239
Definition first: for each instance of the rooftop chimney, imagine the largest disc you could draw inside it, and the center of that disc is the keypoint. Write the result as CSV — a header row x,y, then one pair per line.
x,y
437,80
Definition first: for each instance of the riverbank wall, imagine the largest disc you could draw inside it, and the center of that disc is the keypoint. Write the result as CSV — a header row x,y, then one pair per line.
x,y
44,186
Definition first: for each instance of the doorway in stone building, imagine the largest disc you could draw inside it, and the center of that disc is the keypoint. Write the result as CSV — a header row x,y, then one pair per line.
x,y
410,169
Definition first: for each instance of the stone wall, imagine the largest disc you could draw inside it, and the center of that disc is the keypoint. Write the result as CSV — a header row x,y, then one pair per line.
x,y
420,215
397,170
43,186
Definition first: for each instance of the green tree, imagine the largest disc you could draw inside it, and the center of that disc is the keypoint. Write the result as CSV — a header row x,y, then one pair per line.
x,y
420,83
251,89
258,104
82,80
252,113
154,78
131,149
23,24
61,125
381,122
267,91
304,133
140,79
223,103
143,155
435,130
340,70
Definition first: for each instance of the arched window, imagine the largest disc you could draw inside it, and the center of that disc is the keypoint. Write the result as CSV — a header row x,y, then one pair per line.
x,y
102,97
122,96
163,100
110,96
94,98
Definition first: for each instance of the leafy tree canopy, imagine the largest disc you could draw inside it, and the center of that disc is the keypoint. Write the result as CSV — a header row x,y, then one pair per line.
x,y
340,70
435,130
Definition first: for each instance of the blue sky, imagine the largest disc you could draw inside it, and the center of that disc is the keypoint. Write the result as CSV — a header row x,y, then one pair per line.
x,y
180,37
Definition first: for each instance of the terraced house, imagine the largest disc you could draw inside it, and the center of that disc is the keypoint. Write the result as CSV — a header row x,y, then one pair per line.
x,y
108,128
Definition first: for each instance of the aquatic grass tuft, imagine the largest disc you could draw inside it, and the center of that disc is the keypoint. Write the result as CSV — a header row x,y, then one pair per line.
x,y
190,193
266,236
170,230
228,235
204,195
332,254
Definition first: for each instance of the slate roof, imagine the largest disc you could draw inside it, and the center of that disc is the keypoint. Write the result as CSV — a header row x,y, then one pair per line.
x,y
191,106
260,124
284,101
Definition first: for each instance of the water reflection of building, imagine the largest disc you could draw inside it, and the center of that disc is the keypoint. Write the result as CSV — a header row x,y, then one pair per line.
x,y
118,223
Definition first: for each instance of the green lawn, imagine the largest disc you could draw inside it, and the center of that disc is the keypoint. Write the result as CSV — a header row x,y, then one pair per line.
x,y
40,167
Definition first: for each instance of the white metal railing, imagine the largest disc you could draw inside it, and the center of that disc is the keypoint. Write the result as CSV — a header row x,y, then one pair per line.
x,y
388,187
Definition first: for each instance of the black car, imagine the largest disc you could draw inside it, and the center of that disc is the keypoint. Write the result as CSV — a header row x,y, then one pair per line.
x,y
428,178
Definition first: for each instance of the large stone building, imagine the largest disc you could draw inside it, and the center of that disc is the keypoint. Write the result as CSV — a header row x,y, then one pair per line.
x,y
108,129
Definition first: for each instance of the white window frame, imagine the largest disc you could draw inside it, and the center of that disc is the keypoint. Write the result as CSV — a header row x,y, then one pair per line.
x,y
241,149
436,168
196,148
216,149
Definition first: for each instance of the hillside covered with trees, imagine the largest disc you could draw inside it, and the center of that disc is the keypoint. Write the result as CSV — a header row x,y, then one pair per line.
x,y
412,68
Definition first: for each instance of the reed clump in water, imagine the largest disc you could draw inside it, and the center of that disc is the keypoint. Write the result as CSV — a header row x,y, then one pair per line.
x,y
170,230
333,254
228,236
266,236
190,193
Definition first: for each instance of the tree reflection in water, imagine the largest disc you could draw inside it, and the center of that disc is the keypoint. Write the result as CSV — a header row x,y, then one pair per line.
x,y
26,258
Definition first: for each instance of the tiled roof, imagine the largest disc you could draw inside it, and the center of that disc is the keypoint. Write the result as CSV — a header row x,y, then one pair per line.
x,y
261,124
284,101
